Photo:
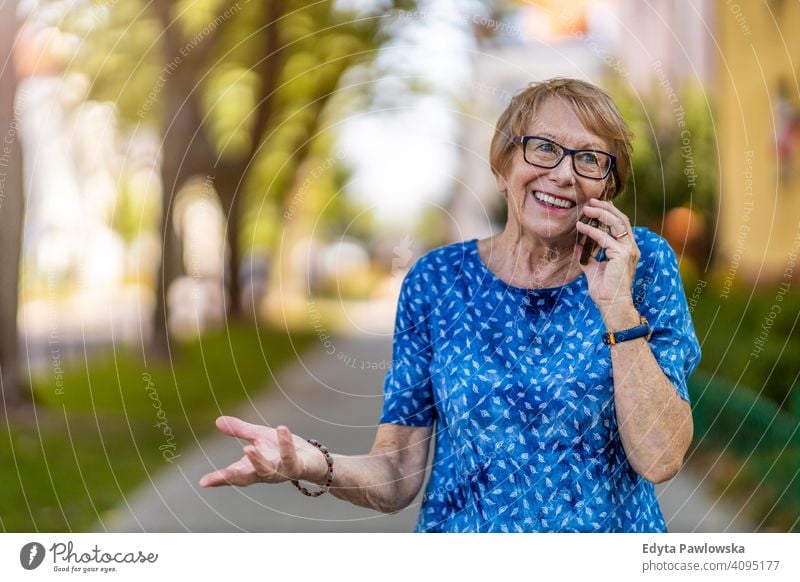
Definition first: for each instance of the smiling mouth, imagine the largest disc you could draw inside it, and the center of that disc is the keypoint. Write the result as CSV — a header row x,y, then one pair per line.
x,y
553,201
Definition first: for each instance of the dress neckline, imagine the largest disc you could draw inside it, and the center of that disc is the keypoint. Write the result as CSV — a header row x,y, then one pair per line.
x,y
473,248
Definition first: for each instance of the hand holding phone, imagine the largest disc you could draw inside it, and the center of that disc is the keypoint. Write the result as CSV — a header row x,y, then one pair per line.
x,y
589,245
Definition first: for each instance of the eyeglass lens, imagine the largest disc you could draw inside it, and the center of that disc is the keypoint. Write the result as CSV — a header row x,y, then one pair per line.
x,y
590,164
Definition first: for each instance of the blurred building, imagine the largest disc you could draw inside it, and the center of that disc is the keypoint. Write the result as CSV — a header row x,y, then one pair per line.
x,y
532,43
759,136
664,37
743,54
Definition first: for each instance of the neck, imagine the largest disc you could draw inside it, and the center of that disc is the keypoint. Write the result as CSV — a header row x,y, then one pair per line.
x,y
526,260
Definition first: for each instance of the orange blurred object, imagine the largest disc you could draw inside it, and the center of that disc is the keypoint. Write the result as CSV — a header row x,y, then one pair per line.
x,y
684,229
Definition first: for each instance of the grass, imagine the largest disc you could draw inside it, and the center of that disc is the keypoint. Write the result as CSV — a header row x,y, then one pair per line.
x,y
112,422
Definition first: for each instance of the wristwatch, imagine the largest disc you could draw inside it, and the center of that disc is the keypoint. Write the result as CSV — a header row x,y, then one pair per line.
x,y
641,330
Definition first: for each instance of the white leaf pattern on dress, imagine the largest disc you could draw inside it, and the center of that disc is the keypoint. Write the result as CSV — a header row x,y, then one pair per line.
x,y
526,433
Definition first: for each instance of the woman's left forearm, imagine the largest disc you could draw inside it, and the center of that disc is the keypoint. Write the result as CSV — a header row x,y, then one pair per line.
x,y
655,423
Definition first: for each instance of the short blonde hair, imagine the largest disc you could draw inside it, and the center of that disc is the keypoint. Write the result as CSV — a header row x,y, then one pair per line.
x,y
593,106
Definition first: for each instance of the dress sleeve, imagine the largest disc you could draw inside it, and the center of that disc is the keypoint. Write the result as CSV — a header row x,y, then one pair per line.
x,y
662,300
407,388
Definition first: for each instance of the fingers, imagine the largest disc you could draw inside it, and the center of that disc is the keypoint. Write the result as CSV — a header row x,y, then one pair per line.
x,y
238,473
608,205
287,468
214,479
608,214
598,235
288,451
238,428
614,223
262,466
252,468
259,463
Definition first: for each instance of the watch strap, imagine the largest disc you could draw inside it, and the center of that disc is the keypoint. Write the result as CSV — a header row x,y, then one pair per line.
x,y
642,330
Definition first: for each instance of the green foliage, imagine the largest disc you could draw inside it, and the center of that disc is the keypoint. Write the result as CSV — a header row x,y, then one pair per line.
x,y
675,153
322,44
761,440
192,16
121,52
133,212
90,445
216,52
731,331
231,95
739,418
745,400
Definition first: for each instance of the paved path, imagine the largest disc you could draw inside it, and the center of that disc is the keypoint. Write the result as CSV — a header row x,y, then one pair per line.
x,y
336,399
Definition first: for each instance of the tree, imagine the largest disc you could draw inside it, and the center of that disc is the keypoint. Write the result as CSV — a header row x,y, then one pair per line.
x,y
241,91
12,205
672,143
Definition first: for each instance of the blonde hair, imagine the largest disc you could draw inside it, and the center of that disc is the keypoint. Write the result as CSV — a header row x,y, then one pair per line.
x,y
595,109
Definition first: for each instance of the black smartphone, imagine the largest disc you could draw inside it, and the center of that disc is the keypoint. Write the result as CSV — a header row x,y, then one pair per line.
x,y
589,245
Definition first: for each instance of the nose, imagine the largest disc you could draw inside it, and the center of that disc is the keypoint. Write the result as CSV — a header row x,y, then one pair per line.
x,y
563,173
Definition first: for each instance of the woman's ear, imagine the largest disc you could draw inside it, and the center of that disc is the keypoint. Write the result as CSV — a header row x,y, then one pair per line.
x,y
502,186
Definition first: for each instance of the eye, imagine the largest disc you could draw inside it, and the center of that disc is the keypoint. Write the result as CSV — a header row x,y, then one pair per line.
x,y
547,148
588,159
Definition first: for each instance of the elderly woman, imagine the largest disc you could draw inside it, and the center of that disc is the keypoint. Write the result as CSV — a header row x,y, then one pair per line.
x,y
557,388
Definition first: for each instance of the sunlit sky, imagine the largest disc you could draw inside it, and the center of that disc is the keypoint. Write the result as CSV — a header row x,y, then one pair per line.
x,y
404,158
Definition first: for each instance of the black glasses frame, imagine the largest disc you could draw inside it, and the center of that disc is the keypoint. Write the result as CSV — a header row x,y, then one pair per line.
x,y
524,139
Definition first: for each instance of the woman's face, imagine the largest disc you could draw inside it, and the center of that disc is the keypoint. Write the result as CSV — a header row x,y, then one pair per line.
x,y
525,184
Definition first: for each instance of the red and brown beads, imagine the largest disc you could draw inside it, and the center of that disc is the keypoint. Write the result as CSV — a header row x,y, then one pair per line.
x,y
328,459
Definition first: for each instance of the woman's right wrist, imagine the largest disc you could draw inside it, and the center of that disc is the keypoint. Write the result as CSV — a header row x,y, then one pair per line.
x,y
317,472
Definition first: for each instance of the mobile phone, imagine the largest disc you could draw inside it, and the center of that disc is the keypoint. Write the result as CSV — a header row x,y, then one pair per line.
x,y
589,245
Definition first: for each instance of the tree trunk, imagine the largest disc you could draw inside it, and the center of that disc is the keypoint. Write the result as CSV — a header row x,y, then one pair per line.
x,y
169,270
230,195
181,159
183,119
233,172
12,211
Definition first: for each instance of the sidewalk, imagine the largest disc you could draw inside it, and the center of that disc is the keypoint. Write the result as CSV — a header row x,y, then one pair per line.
x,y
336,399
327,397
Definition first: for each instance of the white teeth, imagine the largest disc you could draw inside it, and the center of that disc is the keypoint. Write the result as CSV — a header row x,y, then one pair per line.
x,y
552,200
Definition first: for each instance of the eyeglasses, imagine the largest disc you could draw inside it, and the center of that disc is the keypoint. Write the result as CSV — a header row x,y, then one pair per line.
x,y
545,153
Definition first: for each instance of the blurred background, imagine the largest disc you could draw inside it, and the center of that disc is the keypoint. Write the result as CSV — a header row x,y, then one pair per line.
x,y
208,207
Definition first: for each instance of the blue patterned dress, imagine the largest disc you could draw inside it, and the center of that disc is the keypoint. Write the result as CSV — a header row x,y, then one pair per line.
x,y
519,385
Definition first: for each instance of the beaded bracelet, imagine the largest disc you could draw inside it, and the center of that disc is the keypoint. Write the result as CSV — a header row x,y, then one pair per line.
x,y
328,459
